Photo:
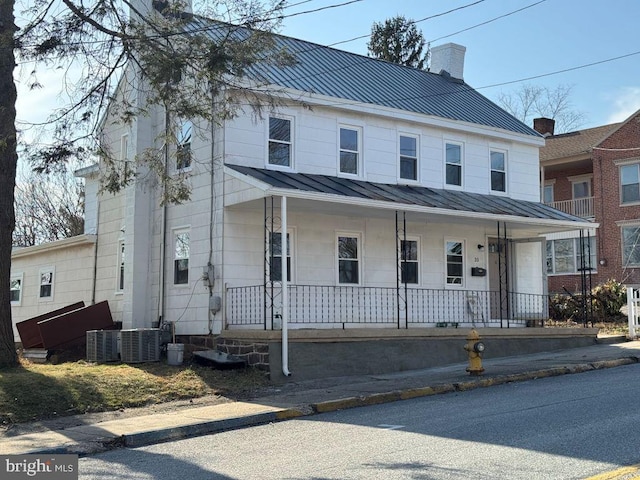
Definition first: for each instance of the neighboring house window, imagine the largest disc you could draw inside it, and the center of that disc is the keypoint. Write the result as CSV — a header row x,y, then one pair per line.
x,y
629,183
275,245
15,289
455,262
408,157
498,171
409,261
120,275
631,246
280,141
183,149
453,164
564,256
46,284
181,258
581,188
124,147
547,194
349,150
349,259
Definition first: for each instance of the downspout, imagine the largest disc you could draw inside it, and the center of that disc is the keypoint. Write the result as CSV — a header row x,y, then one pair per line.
x,y
163,223
285,289
95,255
212,218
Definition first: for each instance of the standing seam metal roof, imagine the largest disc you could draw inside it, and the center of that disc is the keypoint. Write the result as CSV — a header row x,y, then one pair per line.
x,y
348,76
407,194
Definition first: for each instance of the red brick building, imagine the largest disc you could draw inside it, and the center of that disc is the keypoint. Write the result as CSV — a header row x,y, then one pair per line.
x,y
595,174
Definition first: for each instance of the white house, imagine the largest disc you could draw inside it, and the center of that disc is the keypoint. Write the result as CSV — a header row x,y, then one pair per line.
x,y
408,200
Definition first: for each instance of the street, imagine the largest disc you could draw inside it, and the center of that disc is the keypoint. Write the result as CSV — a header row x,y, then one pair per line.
x,y
567,427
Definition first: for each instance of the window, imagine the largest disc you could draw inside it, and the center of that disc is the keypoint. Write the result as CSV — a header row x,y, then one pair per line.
x,y
349,150
453,164
348,259
183,151
455,262
409,261
408,157
15,289
279,141
275,263
181,258
498,171
565,256
120,273
629,184
124,147
46,284
631,246
547,194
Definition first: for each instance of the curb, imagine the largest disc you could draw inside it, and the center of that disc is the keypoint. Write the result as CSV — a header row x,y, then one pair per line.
x,y
207,427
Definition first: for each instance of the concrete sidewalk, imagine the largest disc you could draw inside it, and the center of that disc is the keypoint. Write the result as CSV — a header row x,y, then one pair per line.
x,y
311,397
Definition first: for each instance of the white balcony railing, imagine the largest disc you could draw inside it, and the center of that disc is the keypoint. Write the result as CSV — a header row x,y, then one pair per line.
x,y
580,207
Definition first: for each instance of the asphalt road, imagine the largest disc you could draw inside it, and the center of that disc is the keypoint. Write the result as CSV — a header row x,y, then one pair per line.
x,y
567,427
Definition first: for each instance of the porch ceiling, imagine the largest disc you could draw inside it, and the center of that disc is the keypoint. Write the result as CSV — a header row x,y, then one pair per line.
x,y
325,194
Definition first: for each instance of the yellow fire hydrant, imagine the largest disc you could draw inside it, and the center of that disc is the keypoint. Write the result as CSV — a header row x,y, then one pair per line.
x,y
474,348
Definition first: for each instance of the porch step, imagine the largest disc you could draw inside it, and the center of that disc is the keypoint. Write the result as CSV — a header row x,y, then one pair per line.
x,y
610,339
35,355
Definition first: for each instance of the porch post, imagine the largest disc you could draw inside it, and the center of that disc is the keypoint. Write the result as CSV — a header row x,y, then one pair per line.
x,y
285,288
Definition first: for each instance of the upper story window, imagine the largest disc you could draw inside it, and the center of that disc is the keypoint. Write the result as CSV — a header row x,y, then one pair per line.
x,y
183,148
547,193
409,261
629,183
408,157
46,284
350,146
15,289
349,259
181,257
564,256
498,171
455,262
120,273
280,142
453,164
581,187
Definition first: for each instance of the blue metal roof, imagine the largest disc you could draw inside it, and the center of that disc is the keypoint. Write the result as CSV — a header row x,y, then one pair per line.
x,y
348,76
406,194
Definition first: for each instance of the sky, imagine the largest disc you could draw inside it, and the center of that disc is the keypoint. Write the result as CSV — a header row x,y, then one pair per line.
x,y
545,36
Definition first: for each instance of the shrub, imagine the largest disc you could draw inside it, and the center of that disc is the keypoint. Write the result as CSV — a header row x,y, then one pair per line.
x,y
606,300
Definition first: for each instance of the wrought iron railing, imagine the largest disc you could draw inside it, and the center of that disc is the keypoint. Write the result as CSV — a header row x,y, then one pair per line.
x,y
312,306
580,207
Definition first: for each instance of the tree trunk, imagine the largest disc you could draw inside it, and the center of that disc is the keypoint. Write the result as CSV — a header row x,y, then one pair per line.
x,y
8,160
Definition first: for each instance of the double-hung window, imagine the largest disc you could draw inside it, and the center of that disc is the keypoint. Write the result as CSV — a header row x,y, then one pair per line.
x,y
183,148
275,257
350,150
181,257
46,284
349,259
408,157
631,246
630,183
409,261
498,171
453,164
15,289
280,142
455,262
565,256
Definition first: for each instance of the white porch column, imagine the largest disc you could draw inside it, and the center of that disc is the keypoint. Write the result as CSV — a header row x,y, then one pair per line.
x,y
285,288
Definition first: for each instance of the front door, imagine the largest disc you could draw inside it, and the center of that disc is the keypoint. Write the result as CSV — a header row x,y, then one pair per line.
x,y
498,278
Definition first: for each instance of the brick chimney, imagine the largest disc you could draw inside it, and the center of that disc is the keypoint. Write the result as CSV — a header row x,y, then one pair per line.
x,y
544,126
448,57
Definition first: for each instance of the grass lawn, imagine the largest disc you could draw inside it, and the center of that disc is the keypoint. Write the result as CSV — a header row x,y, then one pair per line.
x,y
38,391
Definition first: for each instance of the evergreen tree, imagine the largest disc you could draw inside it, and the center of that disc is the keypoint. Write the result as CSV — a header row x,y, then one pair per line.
x,y
398,40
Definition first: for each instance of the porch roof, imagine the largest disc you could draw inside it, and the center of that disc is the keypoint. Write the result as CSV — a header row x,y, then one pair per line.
x,y
409,197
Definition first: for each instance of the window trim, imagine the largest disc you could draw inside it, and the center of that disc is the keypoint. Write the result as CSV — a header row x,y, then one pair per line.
x,y
291,142
553,273
175,232
622,247
290,257
416,137
446,263
549,183
12,278
181,143
620,185
412,238
461,165
42,271
360,162
360,256
586,178
120,266
505,172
